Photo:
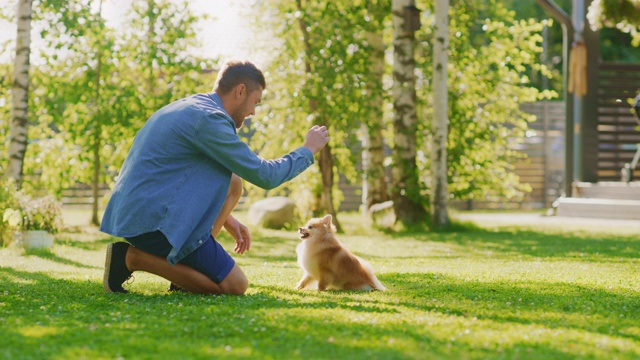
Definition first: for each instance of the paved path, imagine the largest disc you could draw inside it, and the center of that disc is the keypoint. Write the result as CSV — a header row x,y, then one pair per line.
x,y
561,222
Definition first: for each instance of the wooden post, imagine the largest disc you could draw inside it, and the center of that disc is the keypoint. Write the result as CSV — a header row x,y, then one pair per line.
x,y
546,154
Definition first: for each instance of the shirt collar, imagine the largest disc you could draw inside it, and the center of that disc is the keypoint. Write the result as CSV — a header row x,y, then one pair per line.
x,y
218,102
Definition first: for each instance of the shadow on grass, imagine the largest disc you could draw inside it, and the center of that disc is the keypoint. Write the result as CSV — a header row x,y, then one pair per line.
x,y
313,299
41,315
72,318
553,305
532,243
87,244
48,255
48,315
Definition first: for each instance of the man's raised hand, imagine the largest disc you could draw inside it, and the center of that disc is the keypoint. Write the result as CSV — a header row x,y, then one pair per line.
x,y
317,138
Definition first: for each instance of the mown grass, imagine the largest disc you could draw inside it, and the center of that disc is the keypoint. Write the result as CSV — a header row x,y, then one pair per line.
x,y
491,292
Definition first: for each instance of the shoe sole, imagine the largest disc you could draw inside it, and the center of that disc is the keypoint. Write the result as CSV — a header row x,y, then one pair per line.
x,y
107,269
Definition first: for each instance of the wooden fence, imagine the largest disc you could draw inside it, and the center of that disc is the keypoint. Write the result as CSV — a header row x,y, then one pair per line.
x,y
618,136
545,148
543,169
82,194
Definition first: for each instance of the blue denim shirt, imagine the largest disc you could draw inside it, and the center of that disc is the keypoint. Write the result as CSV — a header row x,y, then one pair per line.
x,y
177,173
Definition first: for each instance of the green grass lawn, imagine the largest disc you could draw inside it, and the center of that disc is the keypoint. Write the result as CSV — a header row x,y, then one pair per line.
x,y
496,292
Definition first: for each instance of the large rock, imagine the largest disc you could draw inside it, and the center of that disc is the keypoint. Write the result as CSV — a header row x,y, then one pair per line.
x,y
273,212
382,214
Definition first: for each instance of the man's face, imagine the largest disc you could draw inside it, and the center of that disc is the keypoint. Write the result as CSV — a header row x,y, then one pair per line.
x,y
247,107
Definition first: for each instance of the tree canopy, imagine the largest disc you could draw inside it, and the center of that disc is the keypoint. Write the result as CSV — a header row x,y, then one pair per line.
x,y
99,84
620,14
492,57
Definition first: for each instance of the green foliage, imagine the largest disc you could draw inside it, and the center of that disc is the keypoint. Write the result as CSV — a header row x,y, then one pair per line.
x,y
156,68
616,40
553,56
490,57
156,60
477,293
8,200
621,14
323,84
99,85
5,112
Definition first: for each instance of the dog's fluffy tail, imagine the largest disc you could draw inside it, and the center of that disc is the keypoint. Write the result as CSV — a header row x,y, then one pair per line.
x,y
375,283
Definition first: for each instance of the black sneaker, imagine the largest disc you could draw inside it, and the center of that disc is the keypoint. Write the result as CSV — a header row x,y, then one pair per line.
x,y
115,268
175,288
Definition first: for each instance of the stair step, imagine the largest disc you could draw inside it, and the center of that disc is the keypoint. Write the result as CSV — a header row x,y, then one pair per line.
x,y
621,209
608,190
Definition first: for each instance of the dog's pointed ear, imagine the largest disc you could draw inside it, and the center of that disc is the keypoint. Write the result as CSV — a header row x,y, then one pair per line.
x,y
327,220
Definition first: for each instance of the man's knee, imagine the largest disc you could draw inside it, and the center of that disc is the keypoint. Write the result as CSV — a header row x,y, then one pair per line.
x,y
235,283
240,287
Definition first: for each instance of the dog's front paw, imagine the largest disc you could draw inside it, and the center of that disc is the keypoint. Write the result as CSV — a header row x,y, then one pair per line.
x,y
300,286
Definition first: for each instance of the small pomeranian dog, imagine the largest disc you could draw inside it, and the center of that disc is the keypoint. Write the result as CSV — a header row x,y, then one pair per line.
x,y
328,263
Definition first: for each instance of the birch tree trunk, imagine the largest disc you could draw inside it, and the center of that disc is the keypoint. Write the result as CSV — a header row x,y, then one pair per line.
x,y
405,191
20,102
439,191
374,186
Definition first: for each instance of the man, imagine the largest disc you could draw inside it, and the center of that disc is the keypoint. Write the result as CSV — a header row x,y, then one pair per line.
x,y
181,180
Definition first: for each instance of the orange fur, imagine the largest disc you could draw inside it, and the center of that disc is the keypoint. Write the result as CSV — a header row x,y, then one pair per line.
x,y
327,262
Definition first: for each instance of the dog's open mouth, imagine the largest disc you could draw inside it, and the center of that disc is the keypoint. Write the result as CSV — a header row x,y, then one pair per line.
x,y
303,234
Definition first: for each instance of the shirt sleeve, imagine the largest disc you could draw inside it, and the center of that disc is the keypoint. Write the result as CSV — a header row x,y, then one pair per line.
x,y
216,137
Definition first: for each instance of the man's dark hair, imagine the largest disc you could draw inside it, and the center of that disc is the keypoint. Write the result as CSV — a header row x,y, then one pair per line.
x,y
236,72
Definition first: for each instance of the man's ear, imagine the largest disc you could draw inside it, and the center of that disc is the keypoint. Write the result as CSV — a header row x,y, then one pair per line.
x,y
240,90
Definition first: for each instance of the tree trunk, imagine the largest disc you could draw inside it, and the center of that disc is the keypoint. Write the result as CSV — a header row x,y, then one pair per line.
x,y
151,46
20,103
374,185
325,158
405,191
439,191
95,183
97,140
97,136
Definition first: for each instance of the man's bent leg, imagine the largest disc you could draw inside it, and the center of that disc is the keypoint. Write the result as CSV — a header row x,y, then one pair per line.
x,y
233,197
235,283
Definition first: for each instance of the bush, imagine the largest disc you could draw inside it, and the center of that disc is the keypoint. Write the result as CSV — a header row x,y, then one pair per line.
x,y
42,213
8,200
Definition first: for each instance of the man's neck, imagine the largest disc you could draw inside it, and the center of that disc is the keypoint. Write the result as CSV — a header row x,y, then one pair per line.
x,y
226,101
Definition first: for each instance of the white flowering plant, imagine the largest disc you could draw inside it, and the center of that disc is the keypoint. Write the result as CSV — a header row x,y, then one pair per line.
x,y
42,213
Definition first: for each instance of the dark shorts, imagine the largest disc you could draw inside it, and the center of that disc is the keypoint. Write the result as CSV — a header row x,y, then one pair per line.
x,y
210,258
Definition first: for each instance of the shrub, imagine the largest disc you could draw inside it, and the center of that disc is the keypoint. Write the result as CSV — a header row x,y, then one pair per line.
x,y
8,200
42,213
